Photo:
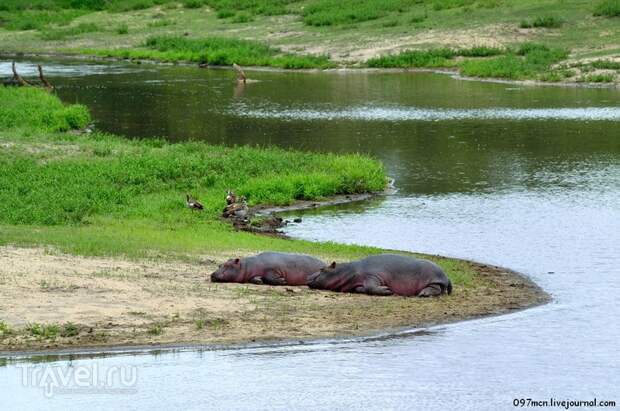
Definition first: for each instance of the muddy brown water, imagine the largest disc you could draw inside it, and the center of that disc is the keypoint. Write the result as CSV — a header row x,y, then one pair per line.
x,y
518,176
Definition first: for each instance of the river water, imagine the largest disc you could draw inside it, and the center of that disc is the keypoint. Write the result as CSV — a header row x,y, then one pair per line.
x,y
519,176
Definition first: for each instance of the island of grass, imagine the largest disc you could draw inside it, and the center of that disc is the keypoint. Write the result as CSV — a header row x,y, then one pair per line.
x,y
99,249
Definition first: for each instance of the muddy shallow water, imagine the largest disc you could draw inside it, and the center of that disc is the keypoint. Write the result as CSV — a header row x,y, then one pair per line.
x,y
523,177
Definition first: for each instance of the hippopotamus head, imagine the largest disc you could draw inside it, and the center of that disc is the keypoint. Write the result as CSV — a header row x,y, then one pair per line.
x,y
230,272
323,278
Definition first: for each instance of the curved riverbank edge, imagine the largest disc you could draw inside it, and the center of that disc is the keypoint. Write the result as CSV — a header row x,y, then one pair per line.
x,y
452,72
233,315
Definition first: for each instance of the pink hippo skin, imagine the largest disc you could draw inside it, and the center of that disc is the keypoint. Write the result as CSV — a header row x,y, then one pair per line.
x,y
268,268
384,274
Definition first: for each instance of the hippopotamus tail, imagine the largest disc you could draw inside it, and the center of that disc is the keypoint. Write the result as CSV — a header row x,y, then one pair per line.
x,y
449,287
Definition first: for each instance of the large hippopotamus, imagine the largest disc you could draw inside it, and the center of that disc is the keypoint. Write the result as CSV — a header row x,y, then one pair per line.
x,y
384,274
268,268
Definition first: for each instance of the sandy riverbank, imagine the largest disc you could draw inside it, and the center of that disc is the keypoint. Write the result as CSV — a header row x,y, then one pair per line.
x,y
116,302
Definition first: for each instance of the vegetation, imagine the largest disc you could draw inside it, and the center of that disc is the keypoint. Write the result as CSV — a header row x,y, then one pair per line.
x,y
44,331
101,188
609,8
431,58
35,109
63,33
335,12
217,51
545,22
529,60
344,30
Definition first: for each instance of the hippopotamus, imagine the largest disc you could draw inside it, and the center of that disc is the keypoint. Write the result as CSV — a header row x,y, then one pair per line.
x,y
384,274
268,268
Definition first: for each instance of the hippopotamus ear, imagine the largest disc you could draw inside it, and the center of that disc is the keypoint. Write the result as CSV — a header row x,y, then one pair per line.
x,y
332,265
236,261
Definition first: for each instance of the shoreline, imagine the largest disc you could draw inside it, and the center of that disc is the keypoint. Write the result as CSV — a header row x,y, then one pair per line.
x,y
453,73
502,291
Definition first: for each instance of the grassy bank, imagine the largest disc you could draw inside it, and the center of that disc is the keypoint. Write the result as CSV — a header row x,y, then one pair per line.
x,y
216,51
324,33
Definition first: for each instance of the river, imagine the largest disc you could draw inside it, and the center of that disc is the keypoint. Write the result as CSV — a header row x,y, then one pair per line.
x,y
526,177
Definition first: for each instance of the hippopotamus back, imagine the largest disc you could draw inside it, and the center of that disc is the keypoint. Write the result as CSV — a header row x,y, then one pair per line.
x,y
269,268
384,274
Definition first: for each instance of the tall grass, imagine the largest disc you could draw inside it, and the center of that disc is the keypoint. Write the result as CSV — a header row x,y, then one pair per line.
x,y
35,109
335,12
68,179
431,58
550,22
249,8
608,8
63,33
218,51
528,60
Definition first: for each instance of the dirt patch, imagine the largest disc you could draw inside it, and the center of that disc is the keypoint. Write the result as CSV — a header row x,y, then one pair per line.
x,y
123,303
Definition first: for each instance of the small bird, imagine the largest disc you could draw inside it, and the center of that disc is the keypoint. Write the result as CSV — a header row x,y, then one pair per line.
x,y
193,204
231,197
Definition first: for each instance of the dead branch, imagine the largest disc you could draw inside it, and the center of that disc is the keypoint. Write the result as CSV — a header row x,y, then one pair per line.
x,y
240,72
44,81
17,78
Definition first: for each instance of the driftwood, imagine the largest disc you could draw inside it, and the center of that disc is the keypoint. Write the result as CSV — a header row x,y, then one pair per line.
x,y
44,81
19,81
17,78
242,77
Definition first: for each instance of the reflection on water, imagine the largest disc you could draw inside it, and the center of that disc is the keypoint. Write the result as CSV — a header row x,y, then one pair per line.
x,y
534,185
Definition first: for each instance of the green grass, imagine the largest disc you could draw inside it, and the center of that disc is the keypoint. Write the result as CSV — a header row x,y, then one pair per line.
x,y
606,64
43,331
217,51
250,8
5,329
527,61
441,57
608,8
69,330
64,33
68,179
599,78
550,22
338,12
39,110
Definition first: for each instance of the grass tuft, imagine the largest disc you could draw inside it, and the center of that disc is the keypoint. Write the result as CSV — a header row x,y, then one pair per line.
x,y
217,51
608,8
36,109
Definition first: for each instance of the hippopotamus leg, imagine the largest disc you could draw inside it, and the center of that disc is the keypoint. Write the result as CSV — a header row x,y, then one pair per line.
x,y
372,287
256,280
431,290
273,278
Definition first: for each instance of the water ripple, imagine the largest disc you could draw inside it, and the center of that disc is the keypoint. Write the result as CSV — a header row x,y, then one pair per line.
x,y
366,113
